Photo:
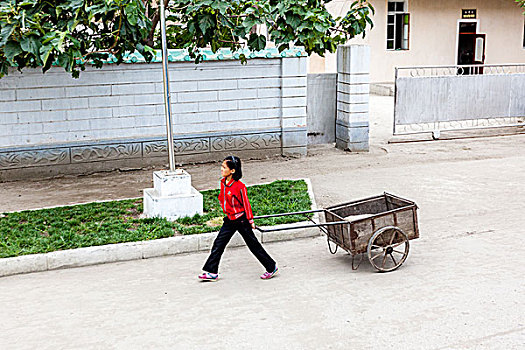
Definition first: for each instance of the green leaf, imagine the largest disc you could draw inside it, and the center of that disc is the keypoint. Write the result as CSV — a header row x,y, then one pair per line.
x,y
320,27
31,44
281,7
283,47
64,61
215,45
12,49
74,40
132,13
5,33
44,53
242,58
27,2
222,6
206,21
48,37
73,4
257,42
294,21
191,27
249,23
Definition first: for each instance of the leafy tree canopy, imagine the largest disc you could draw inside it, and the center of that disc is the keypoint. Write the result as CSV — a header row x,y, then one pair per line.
x,y
69,33
66,32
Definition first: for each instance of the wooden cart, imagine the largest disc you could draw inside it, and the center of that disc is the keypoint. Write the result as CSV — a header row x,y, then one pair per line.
x,y
380,227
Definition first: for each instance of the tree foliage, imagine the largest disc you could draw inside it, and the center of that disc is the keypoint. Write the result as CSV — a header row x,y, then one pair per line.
x,y
68,33
306,23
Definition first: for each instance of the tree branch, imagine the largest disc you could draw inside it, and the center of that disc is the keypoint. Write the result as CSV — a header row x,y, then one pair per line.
x,y
339,30
154,23
230,42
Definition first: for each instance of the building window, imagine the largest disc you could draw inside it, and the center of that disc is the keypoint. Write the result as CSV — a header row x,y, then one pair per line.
x,y
398,26
524,32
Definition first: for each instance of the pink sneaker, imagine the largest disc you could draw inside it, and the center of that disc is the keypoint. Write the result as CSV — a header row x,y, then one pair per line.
x,y
268,275
208,276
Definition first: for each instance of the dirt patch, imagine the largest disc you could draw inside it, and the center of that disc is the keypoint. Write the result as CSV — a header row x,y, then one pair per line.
x,y
215,222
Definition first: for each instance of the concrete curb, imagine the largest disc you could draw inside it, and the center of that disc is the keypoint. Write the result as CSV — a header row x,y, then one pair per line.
x,y
144,249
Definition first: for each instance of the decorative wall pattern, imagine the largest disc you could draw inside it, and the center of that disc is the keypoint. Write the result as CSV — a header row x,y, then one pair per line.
x,y
189,146
135,150
184,146
29,158
106,152
155,148
246,142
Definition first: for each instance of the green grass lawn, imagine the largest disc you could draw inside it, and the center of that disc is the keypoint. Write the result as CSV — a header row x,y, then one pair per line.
x,y
47,230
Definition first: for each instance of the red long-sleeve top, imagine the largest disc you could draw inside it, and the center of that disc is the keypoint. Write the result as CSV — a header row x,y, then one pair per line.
x,y
234,200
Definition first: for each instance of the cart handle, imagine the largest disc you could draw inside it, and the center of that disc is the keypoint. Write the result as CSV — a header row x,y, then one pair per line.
x,y
286,214
302,226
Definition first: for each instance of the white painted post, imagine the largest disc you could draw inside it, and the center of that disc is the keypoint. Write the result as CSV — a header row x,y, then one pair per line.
x,y
353,92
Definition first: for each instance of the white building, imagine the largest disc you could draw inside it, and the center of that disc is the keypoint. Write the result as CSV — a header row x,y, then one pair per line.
x,y
436,32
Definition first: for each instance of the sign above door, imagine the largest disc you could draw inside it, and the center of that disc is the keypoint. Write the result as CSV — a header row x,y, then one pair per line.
x,y
468,13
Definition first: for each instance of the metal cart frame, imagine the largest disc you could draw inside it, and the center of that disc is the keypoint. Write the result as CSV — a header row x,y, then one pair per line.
x,y
380,226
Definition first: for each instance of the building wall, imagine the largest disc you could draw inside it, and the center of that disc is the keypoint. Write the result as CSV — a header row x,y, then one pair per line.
x,y
433,35
114,117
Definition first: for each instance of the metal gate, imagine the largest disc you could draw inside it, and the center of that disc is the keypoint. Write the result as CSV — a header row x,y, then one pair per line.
x,y
439,98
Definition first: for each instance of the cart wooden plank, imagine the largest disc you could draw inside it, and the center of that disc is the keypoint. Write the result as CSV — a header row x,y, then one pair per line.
x,y
383,210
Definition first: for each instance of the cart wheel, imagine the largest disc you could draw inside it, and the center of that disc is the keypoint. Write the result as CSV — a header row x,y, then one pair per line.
x,y
388,248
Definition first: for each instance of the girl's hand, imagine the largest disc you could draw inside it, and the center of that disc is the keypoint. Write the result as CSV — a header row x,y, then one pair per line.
x,y
253,225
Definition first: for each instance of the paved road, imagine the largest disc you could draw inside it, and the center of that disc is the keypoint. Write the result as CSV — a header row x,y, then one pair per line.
x,y
462,287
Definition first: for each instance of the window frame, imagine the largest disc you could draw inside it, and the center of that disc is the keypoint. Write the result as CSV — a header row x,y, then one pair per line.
x,y
391,27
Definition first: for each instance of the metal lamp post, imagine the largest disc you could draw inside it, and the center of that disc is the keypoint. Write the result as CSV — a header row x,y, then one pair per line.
x,y
166,81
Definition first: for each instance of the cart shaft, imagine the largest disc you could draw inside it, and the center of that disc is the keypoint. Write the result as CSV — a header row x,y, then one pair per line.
x,y
320,225
288,214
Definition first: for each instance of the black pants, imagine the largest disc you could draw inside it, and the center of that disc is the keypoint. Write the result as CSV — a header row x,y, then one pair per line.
x,y
226,233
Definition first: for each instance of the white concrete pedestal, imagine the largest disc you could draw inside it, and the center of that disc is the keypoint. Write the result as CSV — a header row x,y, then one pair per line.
x,y
172,197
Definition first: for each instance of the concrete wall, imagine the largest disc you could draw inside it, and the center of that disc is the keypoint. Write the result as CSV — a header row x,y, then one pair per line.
x,y
434,34
114,117
321,111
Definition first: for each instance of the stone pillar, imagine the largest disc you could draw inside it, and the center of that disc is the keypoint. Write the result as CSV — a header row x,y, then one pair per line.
x,y
172,197
353,90
293,107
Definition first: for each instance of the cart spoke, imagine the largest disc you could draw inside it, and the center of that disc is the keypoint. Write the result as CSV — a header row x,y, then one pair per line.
x,y
376,246
398,252
375,256
398,244
394,260
393,237
384,260
382,239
